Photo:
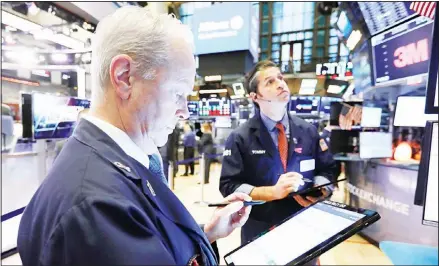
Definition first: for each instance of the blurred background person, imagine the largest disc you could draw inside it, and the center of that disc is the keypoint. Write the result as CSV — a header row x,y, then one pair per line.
x,y
206,148
189,144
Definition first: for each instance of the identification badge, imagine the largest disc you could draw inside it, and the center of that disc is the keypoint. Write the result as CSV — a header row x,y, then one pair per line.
x,y
323,145
307,165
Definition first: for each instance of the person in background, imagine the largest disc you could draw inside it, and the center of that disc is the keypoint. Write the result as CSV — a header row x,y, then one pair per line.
x,y
269,156
189,144
169,154
104,201
206,148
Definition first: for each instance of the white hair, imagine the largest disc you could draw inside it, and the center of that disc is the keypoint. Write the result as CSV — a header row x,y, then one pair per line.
x,y
148,37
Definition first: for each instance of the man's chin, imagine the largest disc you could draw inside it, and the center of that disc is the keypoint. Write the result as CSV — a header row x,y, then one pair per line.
x,y
160,139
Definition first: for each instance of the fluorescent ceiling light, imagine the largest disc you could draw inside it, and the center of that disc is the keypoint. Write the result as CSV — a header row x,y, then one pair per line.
x,y
353,39
38,31
19,23
212,91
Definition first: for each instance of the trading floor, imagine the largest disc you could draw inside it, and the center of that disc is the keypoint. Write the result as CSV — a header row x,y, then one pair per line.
x,y
355,250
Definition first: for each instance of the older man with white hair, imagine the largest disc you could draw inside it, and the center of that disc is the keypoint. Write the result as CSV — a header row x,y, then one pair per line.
x,y
104,201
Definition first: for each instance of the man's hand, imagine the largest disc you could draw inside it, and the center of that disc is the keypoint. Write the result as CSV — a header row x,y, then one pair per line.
x,y
286,184
305,202
227,219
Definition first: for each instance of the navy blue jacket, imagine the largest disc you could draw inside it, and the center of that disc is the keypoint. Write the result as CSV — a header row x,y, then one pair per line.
x,y
98,206
251,157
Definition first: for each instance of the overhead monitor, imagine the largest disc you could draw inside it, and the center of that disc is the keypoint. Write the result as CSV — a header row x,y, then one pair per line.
x,y
214,107
225,27
362,70
325,104
344,141
383,15
193,107
305,105
431,104
402,52
409,112
54,116
375,145
371,117
336,87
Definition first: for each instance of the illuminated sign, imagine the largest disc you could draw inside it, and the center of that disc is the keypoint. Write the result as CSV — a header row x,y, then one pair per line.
x,y
411,54
339,69
402,52
225,27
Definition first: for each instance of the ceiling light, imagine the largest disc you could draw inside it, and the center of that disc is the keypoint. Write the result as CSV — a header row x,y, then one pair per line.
x,y
86,57
59,58
22,56
353,39
19,23
66,31
33,9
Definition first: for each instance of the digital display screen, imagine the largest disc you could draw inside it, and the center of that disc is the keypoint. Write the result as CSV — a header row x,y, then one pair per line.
x,y
410,112
383,15
371,116
362,70
214,107
225,27
403,51
306,105
375,145
193,107
295,237
325,104
431,196
55,116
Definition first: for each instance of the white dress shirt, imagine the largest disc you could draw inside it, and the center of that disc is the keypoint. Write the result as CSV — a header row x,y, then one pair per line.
x,y
125,142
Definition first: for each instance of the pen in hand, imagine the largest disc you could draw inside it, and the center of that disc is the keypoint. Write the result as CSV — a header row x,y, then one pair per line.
x,y
246,203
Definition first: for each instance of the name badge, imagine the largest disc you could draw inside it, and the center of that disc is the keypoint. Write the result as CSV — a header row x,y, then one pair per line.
x,y
258,151
307,165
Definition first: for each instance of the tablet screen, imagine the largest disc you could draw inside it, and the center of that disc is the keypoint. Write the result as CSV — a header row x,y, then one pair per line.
x,y
295,237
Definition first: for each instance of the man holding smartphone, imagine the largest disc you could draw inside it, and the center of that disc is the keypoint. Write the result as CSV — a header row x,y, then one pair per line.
x,y
274,154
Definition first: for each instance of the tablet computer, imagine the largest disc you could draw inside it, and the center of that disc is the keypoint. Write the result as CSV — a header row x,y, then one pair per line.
x,y
303,236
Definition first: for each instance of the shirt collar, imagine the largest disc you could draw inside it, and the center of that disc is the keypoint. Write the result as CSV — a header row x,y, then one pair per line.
x,y
271,125
123,140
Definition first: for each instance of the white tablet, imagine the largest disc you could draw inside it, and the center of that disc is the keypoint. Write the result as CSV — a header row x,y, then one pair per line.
x,y
304,236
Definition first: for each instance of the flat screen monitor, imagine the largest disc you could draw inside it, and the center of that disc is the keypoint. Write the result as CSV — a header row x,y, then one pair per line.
x,y
344,141
238,89
409,112
431,104
26,115
426,193
402,52
375,145
383,15
371,117
214,107
362,70
325,105
54,117
305,105
193,107
336,87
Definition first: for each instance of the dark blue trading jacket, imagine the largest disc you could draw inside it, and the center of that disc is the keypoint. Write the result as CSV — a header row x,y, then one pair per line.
x,y
98,206
251,157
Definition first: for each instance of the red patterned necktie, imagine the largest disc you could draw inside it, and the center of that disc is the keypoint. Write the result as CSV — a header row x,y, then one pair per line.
x,y
282,145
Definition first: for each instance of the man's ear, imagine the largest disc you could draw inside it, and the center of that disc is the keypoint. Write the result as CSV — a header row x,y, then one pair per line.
x,y
120,75
253,96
